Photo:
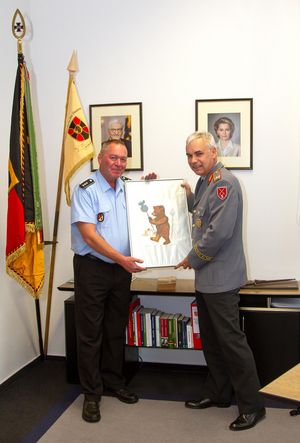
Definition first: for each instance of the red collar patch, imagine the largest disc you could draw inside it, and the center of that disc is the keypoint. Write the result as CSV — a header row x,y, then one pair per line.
x,y
222,192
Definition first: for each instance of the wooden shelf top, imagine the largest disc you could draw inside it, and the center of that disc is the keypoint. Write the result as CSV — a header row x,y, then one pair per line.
x,y
187,286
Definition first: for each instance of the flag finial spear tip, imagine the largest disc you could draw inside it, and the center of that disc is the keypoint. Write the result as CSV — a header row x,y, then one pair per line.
x,y
73,65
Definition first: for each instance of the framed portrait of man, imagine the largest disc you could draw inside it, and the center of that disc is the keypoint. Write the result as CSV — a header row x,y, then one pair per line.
x,y
158,221
121,121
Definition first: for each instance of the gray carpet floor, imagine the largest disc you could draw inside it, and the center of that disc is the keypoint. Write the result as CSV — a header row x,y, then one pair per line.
x,y
156,421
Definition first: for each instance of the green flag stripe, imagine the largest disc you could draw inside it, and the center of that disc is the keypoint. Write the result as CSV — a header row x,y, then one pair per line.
x,y
33,156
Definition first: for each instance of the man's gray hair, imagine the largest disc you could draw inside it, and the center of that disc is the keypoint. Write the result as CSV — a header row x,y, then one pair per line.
x,y
205,136
115,120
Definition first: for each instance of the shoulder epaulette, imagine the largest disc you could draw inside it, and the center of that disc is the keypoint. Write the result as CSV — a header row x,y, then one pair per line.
x,y
124,178
215,176
88,182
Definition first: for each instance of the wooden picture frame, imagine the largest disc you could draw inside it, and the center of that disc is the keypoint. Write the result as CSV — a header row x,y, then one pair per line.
x,y
118,120
233,116
158,221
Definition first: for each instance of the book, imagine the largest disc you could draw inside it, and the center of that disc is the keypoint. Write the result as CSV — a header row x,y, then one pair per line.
x,y
136,325
184,331
129,329
171,331
179,331
164,330
189,334
175,320
148,327
195,325
142,327
157,328
153,326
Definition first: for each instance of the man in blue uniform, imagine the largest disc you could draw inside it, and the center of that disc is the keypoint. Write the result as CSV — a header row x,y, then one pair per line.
x,y
102,277
218,259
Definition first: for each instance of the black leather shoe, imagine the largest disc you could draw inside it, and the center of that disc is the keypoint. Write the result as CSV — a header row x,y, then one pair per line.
x,y
205,403
91,411
246,421
126,396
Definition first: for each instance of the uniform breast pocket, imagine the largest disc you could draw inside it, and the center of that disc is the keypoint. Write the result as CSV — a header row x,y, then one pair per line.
x,y
102,218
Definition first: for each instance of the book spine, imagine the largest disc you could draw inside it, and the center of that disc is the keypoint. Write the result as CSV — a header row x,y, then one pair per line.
x,y
170,331
164,331
148,329
189,333
157,328
195,325
179,331
142,327
130,329
153,327
138,326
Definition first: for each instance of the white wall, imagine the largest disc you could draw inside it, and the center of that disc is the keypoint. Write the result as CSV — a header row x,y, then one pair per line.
x,y
166,54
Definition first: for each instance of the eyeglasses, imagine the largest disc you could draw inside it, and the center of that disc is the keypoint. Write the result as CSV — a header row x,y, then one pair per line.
x,y
116,129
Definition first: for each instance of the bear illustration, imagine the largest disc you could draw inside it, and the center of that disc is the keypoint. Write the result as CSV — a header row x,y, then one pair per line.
x,y
160,220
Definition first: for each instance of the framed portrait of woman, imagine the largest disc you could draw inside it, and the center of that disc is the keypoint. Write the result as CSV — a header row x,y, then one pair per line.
x,y
230,123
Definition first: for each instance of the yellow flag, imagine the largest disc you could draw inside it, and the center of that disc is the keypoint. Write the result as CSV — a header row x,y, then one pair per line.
x,y
78,147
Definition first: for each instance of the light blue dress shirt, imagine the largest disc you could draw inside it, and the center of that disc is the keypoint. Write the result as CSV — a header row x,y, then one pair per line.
x,y
100,204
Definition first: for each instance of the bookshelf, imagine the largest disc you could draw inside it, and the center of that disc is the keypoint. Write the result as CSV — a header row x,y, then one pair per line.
x,y
272,332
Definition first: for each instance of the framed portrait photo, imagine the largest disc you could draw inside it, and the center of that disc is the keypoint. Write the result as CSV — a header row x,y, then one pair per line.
x,y
230,123
118,121
158,221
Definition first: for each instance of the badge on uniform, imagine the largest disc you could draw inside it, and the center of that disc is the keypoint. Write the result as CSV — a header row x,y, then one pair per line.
x,y
88,182
198,223
100,217
222,192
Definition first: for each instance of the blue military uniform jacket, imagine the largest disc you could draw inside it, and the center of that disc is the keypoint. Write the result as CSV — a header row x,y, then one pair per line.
x,y
94,201
217,255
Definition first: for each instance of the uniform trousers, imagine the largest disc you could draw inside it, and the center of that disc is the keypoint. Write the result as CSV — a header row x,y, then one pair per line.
x,y
229,358
102,298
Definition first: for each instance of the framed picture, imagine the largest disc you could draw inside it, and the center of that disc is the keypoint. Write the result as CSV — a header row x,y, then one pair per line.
x,y
158,221
118,121
230,122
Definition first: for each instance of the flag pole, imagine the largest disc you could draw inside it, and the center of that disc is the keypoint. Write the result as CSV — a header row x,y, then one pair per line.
x,y
19,31
72,68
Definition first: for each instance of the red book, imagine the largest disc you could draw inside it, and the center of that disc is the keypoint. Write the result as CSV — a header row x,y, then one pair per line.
x,y
195,325
130,332
164,330
139,341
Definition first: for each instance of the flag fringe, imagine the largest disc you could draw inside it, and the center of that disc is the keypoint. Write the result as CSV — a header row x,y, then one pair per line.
x,y
35,293
15,254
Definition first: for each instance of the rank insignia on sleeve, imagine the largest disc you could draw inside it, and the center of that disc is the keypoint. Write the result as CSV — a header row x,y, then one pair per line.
x,y
88,182
222,192
100,217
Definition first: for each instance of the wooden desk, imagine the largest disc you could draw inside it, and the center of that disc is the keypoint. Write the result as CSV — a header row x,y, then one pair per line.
x,y
286,386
